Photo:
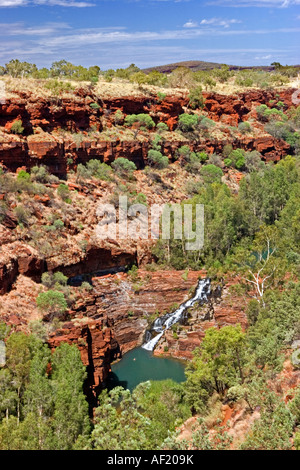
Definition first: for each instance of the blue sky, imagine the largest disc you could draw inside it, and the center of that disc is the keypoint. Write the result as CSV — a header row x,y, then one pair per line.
x,y
115,33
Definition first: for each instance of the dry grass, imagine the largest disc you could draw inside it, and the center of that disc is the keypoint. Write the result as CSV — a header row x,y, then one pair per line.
x,y
117,88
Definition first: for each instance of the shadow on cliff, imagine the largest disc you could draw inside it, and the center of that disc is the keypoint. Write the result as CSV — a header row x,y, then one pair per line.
x,y
113,381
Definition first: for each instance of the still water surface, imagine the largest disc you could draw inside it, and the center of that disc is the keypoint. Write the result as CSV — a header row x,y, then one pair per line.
x,y
139,365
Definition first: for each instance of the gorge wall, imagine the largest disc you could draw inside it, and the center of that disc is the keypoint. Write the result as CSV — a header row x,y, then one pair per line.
x,y
41,116
113,318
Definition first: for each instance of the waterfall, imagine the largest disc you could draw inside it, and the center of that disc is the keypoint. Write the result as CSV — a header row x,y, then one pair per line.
x,y
162,324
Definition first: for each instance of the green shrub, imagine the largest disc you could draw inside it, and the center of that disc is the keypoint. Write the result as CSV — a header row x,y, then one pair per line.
x,y
188,122
265,114
142,119
140,199
94,106
244,127
22,215
227,149
122,166
63,192
223,74
58,224
205,123
50,280
156,142
191,160
40,174
86,286
140,78
203,157
119,117
161,127
227,162
23,176
99,170
247,82
156,159
211,173
17,127
161,96
253,161
238,158
52,302
82,173
196,99
297,440
57,87
184,151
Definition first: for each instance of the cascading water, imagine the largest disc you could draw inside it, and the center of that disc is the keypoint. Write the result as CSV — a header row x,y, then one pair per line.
x,y
164,323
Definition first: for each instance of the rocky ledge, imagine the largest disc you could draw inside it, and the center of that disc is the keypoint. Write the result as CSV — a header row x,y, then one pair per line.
x,y
42,119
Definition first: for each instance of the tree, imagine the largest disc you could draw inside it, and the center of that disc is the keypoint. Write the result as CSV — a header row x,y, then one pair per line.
x,y
139,121
196,99
211,173
15,68
222,74
217,365
62,68
38,398
123,167
272,431
294,406
63,192
156,159
17,127
140,78
70,418
202,439
18,356
263,266
8,395
182,77
53,303
188,122
123,429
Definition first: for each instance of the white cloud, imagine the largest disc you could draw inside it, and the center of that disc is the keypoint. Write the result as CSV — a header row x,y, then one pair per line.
x,y
219,22
18,29
62,3
13,3
264,57
191,24
116,46
211,22
254,3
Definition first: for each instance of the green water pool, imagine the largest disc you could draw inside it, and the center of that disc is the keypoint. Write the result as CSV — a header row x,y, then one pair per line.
x,y
140,365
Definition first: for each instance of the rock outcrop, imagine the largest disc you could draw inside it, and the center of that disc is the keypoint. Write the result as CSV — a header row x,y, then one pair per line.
x,y
223,309
113,318
97,346
76,115
15,259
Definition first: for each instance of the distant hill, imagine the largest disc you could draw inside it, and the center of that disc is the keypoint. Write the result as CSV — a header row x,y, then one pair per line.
x,y
196,65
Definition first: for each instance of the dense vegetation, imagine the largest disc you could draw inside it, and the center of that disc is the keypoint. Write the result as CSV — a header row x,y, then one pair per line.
x,y
252,232
42,404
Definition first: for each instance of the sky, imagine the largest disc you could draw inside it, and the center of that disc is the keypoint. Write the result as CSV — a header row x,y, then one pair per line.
x,y
116,33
